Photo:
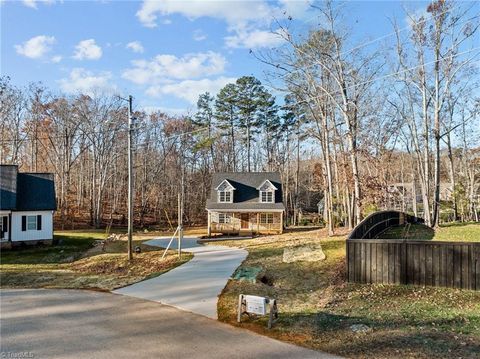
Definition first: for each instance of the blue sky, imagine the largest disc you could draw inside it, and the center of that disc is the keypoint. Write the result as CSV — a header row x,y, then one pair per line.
x,y
164,53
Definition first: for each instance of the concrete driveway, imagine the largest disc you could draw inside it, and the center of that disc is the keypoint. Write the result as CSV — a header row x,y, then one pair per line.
x,y
195,285
52,323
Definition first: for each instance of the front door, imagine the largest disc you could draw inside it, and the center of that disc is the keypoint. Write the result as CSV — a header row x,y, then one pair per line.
x,y
244,217
3,228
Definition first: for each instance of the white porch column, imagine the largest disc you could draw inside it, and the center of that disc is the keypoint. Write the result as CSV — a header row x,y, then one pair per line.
x,y
281,222
209,224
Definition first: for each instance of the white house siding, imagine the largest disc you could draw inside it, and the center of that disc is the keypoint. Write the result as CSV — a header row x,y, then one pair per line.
x,y
46,233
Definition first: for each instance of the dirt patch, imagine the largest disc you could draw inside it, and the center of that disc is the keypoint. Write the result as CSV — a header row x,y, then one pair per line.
x,y
141,264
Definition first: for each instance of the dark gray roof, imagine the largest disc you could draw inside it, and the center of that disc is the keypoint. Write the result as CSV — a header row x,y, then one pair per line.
x,y
35,191
8,187
246,194
26,191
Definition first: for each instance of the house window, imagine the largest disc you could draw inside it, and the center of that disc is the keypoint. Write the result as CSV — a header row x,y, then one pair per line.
x,y
225,196
266,196
266,218
223,218
32,223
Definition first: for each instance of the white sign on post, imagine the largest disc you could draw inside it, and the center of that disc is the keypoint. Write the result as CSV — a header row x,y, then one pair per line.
x,y
252,304
256,305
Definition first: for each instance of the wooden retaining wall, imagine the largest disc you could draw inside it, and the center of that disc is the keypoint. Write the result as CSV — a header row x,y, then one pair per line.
x,y
424,263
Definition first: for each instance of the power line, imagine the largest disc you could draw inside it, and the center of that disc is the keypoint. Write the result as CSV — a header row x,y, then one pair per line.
x,y
292,104
388,75
145,143
122,130
79,133
86,133
383,37
297,102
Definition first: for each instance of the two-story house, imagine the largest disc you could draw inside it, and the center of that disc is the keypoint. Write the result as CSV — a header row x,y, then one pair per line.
x,y
245,203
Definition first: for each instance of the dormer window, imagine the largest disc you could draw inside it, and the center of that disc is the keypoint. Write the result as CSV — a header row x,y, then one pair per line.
x,y
266,196
267,192
225,192
225,196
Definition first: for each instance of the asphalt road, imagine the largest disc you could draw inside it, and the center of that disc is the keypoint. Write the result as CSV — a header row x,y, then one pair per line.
x,y
51,323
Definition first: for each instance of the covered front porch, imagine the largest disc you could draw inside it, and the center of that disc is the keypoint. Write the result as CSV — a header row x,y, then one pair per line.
x,y
245,222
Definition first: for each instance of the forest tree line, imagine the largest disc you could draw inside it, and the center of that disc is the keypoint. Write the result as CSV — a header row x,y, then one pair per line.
x,y
351,122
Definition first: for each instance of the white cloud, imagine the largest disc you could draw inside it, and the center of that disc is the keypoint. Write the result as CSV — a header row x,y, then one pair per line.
x,y
253,39
233,12
87,49
56,59
199,35
248,21
297,9
86,82
33,3
164,67
36,47
189,90
135,46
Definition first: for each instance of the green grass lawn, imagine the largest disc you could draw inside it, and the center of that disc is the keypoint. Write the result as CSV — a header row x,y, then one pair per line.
x,y
464,232
317,307
457,232
74,261
68,247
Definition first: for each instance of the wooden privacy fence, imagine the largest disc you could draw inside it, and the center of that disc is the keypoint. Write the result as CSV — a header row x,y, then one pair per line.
x,y
425,263
400,261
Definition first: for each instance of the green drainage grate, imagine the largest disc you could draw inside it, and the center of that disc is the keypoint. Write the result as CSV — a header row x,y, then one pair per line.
x,y
248,274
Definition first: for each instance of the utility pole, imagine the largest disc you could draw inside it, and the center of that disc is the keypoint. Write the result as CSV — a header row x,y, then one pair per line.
x,y
181,199
179,225
130,177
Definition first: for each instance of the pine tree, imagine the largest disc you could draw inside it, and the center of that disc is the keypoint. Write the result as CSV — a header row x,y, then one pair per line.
x,y
226,114
269,121
249,92
204,120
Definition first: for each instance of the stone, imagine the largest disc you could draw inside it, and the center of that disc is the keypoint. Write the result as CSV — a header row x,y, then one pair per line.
x,y
114,237
360,328
311,252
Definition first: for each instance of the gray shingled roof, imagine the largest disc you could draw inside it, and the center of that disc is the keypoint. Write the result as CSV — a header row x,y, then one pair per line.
x,y
246,194
26,191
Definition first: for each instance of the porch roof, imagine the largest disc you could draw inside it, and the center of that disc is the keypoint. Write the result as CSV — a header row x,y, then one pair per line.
x,y
245,207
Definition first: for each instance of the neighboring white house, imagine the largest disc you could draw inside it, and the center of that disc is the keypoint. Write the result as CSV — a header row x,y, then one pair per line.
x,y
245,203
27,204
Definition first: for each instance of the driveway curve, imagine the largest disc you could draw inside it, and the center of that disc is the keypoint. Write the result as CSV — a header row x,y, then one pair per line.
x,y
195,285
